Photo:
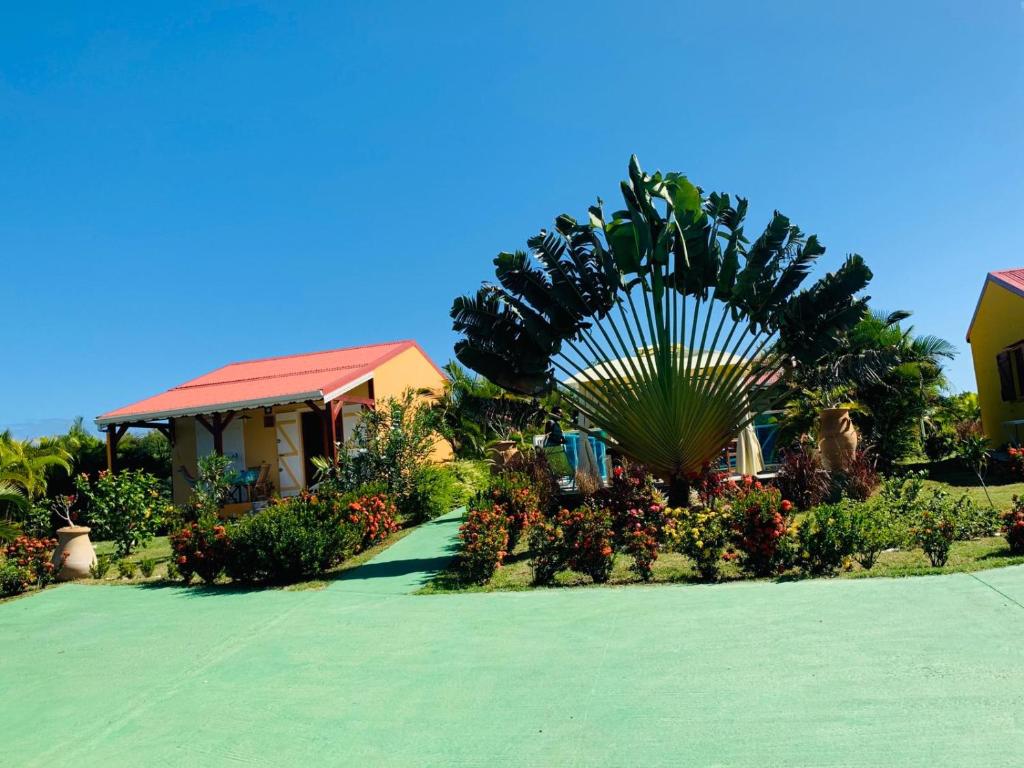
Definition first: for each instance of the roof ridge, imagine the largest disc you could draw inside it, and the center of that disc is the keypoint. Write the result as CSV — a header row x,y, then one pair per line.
x,y
320,352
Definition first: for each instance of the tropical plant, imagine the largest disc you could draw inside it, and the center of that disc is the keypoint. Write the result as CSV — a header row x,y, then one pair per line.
x,y
890,377
125,507
972,450
24,467
473,412
660,317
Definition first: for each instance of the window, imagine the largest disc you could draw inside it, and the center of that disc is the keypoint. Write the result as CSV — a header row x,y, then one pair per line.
x,y
1006,389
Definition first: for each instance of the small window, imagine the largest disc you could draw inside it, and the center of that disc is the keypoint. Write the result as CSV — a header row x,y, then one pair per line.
x,y
1017,353
1007,390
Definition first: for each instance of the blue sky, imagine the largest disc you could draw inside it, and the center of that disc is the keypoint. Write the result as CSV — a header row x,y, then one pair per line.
x,y
186,184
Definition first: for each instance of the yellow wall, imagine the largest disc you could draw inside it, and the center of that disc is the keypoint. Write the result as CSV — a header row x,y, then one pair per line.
x,y
999,323
410,370
260,446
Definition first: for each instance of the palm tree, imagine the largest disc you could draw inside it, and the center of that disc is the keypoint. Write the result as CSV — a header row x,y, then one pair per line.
x,y
656,321
23,468
474,411
892,376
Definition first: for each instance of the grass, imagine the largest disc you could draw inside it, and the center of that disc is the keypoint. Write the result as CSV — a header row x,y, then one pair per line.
x,y
672,568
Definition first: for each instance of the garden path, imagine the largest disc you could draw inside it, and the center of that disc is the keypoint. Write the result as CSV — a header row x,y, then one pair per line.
x,y
408,564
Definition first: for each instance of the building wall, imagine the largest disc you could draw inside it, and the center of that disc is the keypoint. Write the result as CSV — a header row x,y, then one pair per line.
x,y
260,447
998,324
410,369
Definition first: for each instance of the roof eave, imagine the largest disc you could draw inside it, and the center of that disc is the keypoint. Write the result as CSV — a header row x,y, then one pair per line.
x,y
263,402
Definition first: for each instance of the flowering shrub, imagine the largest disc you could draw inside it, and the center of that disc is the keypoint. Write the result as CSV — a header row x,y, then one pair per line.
x,y
547,544
514,494
760,526
297,538
123,507
484,541
375,515
201,549
709,484
828,537
1013,519
29,562
702,534
642,543
1016,461
936,528
589,540
630,488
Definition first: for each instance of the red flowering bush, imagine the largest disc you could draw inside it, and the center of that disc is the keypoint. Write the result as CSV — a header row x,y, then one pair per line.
x,y
514,494
642,542
1016,461
201,549
484,542
375,514
1013,519
29,562
710,485
760,526
580,539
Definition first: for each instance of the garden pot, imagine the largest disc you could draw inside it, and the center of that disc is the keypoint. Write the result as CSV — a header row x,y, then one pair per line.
x,y
503,452
837,439
73,541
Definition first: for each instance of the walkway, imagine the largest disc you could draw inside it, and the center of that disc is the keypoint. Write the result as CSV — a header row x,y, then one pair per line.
x,y
408,564
912,672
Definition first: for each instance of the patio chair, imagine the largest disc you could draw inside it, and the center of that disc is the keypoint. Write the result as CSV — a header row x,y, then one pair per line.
x,y
262,488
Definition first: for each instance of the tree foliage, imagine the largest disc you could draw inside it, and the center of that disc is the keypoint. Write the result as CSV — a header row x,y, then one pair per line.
x,y
656,320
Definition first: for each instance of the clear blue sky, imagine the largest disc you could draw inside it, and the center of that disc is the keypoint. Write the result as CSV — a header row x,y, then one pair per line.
x,y
186,184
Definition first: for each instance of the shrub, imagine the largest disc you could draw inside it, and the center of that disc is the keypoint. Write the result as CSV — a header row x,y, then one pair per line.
x,y
937,527
201,548
34,557
513,494
147,566
126,569
13,579
641,542
976,521
484,542
124,507
101,567
702,534
434,493
760,525
292,540
589,540
801,477
535,465
903,495
547,545
471,477
828,537
1013,520
374,515
877,529
860,479
710,485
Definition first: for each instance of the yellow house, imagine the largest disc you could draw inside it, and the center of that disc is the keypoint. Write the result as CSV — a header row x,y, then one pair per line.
x,y
272,416
996,336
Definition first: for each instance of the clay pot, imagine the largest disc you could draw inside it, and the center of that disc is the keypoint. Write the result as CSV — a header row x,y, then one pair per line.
x,y
503,452
74,540
837,439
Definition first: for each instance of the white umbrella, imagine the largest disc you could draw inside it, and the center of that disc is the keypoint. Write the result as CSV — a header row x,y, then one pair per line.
x,y
749,459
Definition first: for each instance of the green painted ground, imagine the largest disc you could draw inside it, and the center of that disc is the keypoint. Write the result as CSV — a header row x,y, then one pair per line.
x,y
878,672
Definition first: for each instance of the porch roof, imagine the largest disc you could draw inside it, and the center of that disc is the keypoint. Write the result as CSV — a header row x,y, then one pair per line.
x,y
264,382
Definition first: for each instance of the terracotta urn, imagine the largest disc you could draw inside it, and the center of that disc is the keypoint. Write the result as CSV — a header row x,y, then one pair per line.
x,y
837,439
73,541
502,452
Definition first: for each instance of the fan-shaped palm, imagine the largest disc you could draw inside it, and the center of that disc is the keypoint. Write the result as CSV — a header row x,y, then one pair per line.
x,y
658,319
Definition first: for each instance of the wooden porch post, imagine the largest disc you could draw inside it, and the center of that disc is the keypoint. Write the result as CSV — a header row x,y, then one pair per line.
x,y
114,435
218,435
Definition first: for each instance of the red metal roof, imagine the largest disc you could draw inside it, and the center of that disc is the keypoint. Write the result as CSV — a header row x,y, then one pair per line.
x,y
268,381
1010,279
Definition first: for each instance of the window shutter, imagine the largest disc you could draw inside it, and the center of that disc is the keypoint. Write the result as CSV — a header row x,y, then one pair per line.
x,y
1007,390
1018,363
